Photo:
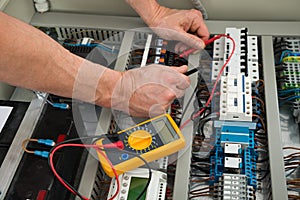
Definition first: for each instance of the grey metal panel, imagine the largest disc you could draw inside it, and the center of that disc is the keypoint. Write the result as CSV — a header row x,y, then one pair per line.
x,y
3,4
21,94
15,152
114,7
217,9
278,183
182,176
52,19
21,9
89,174
124,23
5,91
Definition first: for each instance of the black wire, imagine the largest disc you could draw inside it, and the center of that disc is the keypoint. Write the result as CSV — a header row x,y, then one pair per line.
x,y
70,141
189,102
99,137
203,169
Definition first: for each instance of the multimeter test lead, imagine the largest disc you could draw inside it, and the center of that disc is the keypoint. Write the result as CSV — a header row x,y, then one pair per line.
x,y
190,51
207,42
190,72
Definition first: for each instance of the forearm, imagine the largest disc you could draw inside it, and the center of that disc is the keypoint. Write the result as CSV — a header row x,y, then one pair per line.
x,y
147,10
31,59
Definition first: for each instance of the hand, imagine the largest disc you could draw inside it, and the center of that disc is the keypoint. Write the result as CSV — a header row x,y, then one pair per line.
x,y
186,26
149,91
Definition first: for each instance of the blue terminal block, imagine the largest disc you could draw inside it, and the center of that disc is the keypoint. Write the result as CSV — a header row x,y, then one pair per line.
x,y
249,166
235,133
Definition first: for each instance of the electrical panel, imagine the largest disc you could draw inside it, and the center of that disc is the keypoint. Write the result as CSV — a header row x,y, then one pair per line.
x,y
243,145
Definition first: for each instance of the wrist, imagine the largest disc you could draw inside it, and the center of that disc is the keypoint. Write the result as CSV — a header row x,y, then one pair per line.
x,y
106,87
148,10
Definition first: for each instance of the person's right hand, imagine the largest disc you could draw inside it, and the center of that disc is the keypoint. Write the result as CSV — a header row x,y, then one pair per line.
x,y
148,91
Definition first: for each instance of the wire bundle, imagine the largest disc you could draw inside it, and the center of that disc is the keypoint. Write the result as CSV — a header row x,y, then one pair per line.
x,y
287,67
292,163
100,149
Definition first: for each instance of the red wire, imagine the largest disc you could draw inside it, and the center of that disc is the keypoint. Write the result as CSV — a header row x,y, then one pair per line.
x,y
217,80
115,173
97,147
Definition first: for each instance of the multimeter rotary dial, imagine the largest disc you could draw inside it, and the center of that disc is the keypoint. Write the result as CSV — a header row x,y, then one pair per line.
x,y
139,138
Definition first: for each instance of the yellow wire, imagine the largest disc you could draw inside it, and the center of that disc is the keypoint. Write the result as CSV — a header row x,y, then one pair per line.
x,y
291,59
24,145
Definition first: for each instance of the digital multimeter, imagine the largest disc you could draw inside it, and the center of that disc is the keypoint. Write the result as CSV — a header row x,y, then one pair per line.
x,y
152,139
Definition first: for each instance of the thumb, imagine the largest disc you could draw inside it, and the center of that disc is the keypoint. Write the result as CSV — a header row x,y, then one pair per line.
x,y
182,69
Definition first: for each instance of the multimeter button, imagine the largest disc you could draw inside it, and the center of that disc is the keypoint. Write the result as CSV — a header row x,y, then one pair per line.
x,y
140,139
126,177
124,156
123,191
125,184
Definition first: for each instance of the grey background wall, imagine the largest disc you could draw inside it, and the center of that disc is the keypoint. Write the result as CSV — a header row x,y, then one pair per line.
x,y
275,10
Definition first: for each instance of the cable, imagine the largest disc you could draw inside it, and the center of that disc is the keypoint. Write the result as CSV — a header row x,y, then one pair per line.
x,y
24,145
62,106
289,99
261,121
99,149
43,154
217,80
261,101
115,173
61,180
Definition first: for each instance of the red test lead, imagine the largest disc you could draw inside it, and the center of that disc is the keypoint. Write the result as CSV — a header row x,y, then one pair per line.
x,y
207,42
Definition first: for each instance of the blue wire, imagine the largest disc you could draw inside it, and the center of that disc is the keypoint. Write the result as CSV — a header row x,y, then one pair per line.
x,y
289,99
283,53
285,92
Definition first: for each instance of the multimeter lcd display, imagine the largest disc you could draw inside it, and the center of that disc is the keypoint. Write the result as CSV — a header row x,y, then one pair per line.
x,y
136,187
165,134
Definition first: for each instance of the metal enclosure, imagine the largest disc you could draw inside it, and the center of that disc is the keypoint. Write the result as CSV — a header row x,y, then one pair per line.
x,y
262,18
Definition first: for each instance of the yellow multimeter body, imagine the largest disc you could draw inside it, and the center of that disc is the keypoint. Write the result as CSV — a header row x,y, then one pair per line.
x,y
152,139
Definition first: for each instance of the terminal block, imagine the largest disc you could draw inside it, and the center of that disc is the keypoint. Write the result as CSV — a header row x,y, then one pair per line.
x,y
233,186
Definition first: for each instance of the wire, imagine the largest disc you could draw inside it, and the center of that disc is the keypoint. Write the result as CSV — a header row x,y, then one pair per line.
x,y
261,121
216,82
61,180
261,101
24,145
67,143
288,147
289,99
114,171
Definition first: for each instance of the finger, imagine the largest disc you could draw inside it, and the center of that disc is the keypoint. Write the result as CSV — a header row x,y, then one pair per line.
x,y
190,40
180,47
183,47
184,81
198,26
182,69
